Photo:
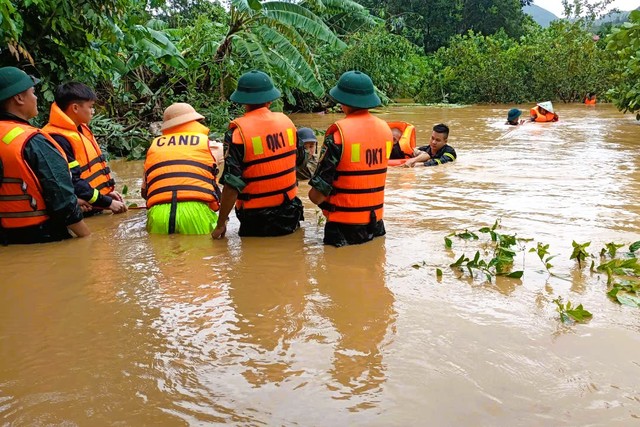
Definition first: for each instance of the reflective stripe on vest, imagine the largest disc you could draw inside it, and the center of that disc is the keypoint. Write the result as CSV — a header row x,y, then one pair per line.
x,y
358,188
180,166
21,200
269,164
407,141
87,152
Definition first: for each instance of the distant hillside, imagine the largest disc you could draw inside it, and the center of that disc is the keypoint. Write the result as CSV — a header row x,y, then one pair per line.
x,y
614,18
540,15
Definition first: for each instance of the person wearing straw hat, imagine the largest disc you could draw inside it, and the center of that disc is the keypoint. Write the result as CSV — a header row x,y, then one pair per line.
x,y
513,117
37,201
543,112
349,182
180,176
260,164
307,158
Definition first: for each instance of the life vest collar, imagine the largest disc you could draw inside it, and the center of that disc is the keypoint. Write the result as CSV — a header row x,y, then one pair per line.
x,y
59,118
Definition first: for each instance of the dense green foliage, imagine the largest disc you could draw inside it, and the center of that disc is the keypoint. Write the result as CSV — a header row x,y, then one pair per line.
x,y
625,43
432,23
561,62
142,56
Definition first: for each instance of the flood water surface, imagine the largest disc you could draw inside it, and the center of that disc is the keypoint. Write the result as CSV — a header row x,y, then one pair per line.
x,y
128,329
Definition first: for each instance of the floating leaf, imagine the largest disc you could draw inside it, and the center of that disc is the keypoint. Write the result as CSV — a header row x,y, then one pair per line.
x,y
515,274
634,246
447,243
628,299
579,314
438,273
125,190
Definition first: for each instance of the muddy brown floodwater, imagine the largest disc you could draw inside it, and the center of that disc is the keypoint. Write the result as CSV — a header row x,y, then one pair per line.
x,y
128,329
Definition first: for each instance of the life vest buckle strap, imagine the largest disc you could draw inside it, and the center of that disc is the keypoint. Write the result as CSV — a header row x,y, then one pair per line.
x,y
208,168
338,190
272,158
357,209
246,197
361,172
270,176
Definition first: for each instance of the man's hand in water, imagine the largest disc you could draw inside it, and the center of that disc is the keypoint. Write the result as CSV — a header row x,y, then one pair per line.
x,y
219,231
409,163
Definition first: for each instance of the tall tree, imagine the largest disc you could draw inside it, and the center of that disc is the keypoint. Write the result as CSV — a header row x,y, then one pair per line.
x,y
279,37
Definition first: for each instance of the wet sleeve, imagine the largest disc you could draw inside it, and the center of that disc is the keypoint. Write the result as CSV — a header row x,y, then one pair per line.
x,y
233,163
325,173
81,187
52,171
424,148
396,152
447,154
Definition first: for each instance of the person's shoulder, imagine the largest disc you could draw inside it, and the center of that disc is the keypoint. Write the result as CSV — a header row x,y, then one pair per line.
x,y
449,149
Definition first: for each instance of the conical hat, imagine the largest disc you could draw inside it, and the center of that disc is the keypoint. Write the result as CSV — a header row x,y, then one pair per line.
x,y
547,105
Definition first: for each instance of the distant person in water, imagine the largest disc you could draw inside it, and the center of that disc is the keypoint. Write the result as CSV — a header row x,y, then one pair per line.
x,y
306,159
513,117
437,152
543,112
590,99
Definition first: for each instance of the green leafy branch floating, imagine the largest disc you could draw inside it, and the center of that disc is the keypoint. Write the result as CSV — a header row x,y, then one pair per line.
x,y
570,314
579,252
626,292
542,251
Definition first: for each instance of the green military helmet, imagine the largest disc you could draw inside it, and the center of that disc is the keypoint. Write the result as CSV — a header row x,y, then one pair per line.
x,y
14,81
355,89
255,87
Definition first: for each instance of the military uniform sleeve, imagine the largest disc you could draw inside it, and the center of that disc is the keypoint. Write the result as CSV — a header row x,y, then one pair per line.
x,y
445,155
325,173
81,187
233,163
52,171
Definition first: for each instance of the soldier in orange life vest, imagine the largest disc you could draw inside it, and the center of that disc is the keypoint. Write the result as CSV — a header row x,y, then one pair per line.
x,y
349,182
180,176
260,164
37,203
543,112
68,125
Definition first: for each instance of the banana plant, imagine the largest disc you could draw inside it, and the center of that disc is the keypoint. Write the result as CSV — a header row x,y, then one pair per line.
x,y
279,38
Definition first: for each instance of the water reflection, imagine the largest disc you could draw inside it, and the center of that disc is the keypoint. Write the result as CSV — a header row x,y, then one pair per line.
x,y
360,307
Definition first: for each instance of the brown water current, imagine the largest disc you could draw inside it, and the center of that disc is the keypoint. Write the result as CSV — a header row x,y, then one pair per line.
x,y
128,329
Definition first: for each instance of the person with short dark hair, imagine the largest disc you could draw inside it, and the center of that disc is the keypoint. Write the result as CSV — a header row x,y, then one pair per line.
x,y
260,164
349,182
437,152
37,202
68,125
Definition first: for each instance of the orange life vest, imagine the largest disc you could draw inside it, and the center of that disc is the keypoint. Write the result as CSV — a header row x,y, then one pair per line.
x,y
93,166
180,167
358,189
591,101
541,118
408,139
21,200
269,141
